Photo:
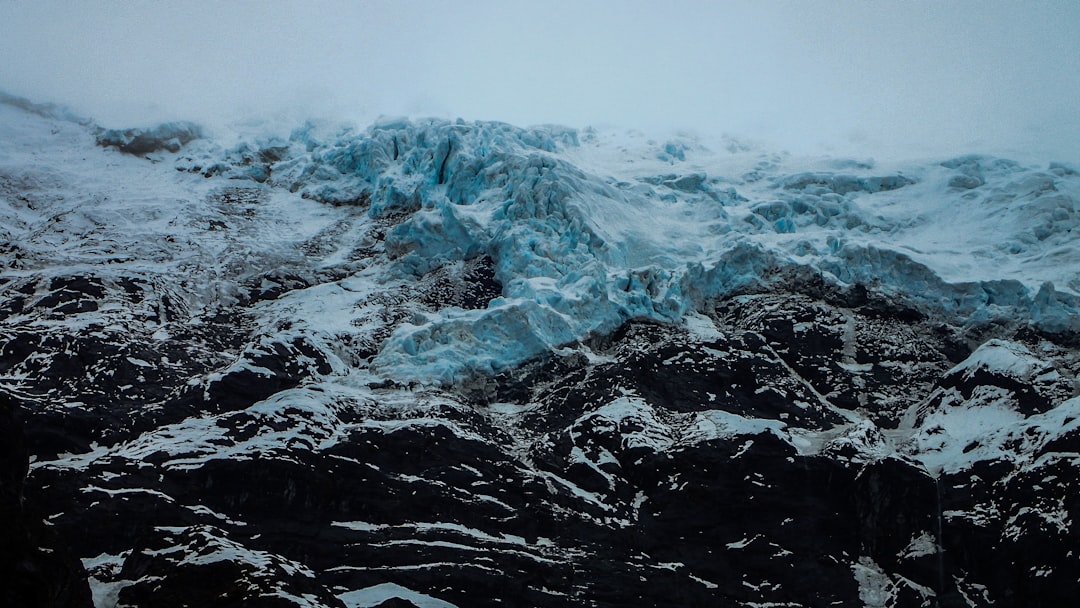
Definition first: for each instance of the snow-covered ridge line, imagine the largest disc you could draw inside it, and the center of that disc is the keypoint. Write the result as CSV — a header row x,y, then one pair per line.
x,y
44,110
579,248
137,141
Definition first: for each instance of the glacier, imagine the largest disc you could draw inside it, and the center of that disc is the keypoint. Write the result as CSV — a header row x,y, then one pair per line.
x,y
588,230
439,362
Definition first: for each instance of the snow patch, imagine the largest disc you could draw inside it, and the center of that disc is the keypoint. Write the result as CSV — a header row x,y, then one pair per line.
x,y
876,589
377,594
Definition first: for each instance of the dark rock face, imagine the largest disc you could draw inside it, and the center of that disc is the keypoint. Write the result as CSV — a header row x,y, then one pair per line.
x,y
199,565
169,137
35,564
663,467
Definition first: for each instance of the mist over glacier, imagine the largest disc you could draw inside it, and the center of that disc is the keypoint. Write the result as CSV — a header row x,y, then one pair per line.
x,y
843,78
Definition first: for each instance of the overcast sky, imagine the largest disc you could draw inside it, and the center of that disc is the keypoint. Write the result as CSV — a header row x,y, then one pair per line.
x,y
847,76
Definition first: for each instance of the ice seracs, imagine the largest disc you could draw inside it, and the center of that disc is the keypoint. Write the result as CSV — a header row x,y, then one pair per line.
x,y
581,242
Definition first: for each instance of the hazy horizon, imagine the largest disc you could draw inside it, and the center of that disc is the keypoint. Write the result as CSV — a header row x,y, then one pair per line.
x,y
843,77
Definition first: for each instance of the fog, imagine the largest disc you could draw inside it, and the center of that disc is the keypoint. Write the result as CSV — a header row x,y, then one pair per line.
x,y
835,76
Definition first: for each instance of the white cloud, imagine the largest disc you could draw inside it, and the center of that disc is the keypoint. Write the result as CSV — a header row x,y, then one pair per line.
x,y
912,77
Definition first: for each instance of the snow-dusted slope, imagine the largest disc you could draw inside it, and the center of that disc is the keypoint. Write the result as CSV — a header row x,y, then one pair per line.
x,y
335,366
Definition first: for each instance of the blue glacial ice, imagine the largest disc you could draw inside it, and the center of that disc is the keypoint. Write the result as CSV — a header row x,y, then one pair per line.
x,y
580,248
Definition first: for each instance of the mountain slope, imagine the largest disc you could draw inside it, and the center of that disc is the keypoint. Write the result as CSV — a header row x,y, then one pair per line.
x,y
469,364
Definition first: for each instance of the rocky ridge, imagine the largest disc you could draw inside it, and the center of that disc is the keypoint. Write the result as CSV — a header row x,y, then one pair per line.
x,y
440,364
